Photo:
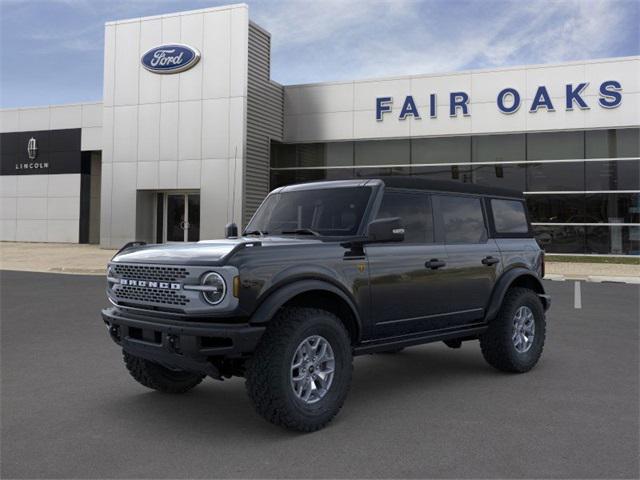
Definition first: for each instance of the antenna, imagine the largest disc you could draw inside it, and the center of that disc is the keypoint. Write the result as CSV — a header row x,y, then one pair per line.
x,y
233,185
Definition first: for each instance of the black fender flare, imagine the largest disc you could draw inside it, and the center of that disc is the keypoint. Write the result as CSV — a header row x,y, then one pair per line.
x,y
281,295
505,281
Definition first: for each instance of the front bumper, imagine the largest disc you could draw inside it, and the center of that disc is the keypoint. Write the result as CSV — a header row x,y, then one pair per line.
x,y
185,345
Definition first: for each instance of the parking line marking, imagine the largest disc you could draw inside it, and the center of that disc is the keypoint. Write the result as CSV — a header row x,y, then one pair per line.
x,y
577,295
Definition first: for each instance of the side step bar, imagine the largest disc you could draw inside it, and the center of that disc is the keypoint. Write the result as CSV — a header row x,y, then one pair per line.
x,y
380,345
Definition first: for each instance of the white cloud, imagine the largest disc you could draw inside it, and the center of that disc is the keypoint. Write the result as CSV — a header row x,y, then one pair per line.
x,y
295,22
326,40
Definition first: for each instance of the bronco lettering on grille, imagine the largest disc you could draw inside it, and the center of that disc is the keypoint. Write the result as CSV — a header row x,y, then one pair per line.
x,y
150,284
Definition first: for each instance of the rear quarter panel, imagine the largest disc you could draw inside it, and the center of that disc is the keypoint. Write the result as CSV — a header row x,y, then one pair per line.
x,y
520,252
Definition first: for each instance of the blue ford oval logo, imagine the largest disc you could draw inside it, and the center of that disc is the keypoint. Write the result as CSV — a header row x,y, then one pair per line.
x,y
172,58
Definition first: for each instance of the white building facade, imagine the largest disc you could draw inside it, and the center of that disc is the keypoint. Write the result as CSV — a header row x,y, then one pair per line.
x,y
174,156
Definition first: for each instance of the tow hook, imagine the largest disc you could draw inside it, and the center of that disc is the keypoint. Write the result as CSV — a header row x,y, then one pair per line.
x,y
114,331
174,343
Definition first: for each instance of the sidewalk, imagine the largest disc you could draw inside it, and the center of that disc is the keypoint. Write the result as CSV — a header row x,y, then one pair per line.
x,y
54,257
91,259
592,272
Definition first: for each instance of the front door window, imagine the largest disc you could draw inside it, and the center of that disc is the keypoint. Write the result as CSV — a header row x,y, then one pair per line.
x,y
182,220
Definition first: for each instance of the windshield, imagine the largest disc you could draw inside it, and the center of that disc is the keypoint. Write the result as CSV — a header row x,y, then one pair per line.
x,y
322,212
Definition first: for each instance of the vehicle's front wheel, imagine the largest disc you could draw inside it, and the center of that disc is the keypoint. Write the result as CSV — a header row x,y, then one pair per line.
x,y
299,375
157,377
515,338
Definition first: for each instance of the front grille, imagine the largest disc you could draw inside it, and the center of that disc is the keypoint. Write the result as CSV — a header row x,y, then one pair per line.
x,y
153,295
151,272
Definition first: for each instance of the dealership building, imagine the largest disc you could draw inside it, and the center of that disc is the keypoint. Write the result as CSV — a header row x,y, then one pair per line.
x,y
192,133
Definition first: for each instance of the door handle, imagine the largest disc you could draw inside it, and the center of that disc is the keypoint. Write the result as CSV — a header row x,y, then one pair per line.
x,y
488,261
434,264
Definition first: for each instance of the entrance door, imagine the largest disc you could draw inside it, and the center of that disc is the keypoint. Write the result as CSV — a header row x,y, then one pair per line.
x,y
182,217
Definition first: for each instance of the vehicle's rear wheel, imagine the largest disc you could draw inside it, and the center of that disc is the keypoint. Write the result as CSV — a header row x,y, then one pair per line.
x,y
299,375
157,377
515,338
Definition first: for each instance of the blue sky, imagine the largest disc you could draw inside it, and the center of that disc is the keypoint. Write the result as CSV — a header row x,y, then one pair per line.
x,y
51,51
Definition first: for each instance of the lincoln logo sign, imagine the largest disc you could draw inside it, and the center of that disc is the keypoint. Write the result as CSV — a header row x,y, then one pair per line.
x,y
172,58
32,149
32,154
508,101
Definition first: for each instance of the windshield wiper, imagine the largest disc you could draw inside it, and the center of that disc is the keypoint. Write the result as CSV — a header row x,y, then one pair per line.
x,y
255,232
301,231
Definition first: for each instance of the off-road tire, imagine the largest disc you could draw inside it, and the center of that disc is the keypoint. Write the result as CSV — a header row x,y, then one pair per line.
x,y
268,381
157,377
496,343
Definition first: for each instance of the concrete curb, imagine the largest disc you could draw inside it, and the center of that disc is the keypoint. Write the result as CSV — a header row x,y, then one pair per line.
x,y
554,277
80,271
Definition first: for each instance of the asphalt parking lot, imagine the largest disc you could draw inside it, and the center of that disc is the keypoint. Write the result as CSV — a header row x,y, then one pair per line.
x,y
70,410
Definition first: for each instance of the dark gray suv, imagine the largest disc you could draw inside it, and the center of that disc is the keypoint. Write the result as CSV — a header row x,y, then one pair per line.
x,y
323,272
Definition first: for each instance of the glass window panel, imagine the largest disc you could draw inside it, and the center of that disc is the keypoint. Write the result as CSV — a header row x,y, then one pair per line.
x,y
380,172
462,219
159,217
339,154
310,155
613,240
509,216
193,234
283,155
382,152
612,143
338,174
289,177
175,218
441,150
613,208
328,211
503,176
415,214
459,173
613,175
499,148
555,145
556,208
555,176
561,238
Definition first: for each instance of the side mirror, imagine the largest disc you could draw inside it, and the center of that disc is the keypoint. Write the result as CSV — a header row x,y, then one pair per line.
x,y
385,230
231,230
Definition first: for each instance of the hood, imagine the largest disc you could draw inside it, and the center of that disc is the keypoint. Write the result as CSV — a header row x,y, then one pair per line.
x,y
206,252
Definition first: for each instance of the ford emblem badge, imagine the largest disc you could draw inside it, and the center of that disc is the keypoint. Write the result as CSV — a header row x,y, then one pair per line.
x,y
173,58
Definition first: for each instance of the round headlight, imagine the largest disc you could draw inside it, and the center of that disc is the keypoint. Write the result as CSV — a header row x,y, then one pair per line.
x,y
215,288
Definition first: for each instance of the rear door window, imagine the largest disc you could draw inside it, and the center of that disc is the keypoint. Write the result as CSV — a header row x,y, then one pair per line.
x,y
462,219
414,210
509,216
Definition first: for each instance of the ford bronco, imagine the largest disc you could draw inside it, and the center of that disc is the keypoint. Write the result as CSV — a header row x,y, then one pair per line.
x,y
325,271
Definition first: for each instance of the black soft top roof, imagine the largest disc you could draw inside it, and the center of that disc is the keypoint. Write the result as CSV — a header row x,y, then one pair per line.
x,y
418,183
414,183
